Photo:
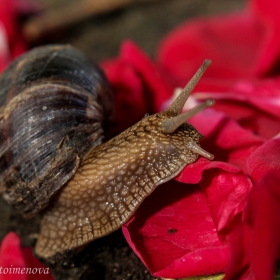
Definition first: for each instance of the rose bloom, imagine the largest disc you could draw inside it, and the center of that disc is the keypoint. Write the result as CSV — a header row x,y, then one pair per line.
x,y
216,216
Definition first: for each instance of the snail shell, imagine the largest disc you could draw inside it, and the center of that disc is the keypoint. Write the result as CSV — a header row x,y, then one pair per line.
x,y
54,104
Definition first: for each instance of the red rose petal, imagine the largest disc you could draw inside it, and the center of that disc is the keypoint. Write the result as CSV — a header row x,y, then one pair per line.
x,y
250,117
26,265
226,195
242,45
155,89
225,138
233,42
263,205
192,173
174,235
156,82
254,104
11,256
129,99
239,242
211,122
225,187
259,233
268,17
265,159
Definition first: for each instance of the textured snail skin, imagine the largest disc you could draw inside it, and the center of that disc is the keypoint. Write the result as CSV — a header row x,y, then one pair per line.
x,y
113,181
116,176
54,106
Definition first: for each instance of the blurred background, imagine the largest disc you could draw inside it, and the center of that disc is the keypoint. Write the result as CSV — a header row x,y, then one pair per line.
x,y
98,27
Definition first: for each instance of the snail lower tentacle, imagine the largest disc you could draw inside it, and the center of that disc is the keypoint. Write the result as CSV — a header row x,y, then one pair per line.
x,y
53,158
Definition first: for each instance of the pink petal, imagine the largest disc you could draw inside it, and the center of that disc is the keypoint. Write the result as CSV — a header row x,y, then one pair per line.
x,y
174,235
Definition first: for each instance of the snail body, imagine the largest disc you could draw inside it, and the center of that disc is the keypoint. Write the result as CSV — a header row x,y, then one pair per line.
x,y
102,184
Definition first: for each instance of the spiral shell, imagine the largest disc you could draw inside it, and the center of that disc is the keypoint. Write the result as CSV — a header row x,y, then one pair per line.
x,y
54,104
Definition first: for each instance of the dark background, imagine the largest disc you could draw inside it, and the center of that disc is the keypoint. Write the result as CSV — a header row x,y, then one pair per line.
x,y
145,23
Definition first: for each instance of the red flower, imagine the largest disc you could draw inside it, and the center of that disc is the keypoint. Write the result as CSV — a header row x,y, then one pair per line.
x,y
12,42
195,227
18,263
255,242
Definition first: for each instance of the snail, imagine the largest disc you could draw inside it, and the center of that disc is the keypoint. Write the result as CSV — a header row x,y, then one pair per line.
x,y
55,104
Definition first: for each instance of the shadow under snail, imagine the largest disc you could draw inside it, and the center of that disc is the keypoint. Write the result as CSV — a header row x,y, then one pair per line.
x,y
54,104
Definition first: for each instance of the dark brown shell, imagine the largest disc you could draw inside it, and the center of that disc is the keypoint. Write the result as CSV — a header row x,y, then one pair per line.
x,y
54,102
